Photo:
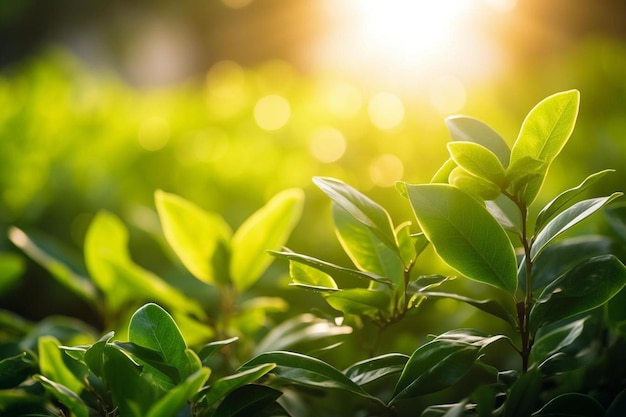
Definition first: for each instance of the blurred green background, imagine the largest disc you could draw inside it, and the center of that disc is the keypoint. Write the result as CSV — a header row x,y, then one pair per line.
x,y
228,102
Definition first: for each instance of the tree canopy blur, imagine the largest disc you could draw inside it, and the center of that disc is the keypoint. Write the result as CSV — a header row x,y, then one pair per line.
x,y
228,102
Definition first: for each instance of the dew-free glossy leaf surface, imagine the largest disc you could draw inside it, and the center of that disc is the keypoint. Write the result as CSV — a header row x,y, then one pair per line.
x,y
193,234
359,301
587,286
477,160
469,129
257,398
227,384
544,133
373,369
65,395
266,229
464,234
176,399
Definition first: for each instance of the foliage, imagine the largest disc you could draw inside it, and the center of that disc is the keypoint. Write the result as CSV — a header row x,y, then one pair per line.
x,y
170,353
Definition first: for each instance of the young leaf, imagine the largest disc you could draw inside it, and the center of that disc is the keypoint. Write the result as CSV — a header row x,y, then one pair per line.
x,y
587,286
521,172
175,399
257,398
566,219
473,185
507,213
337,272
469,129
361,207
65,396
442,175
373,369
560,201
478,161
465,235
226,385
359,301
410,246
153,328
545,131
366,249
306,370
434,366
268,228
193,234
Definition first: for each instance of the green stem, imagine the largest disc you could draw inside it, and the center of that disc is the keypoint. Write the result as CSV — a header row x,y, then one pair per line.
x,y
524,314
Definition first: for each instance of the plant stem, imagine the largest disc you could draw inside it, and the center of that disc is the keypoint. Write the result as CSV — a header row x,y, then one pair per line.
x,y
524,309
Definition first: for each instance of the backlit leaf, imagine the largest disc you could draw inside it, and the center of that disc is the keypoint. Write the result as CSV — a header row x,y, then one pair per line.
x,y
373,369
359,301
469,129
465,235
176,399
477,160
227,384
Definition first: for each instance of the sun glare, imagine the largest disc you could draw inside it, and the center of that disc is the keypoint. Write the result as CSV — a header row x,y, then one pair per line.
x,y
413,38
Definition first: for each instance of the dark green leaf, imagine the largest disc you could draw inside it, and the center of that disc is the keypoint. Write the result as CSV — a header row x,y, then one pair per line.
x,y
268,228
65,396
305,370
335,271
176,399
556,340
618,406
468,129
544,133
566,219
587,286
523,395
228,384
465,235
94,355
616,215
152,327
373,369
361,207
15,369
561,201
434,366
257,398
571,405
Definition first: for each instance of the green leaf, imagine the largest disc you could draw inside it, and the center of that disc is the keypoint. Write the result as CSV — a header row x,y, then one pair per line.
x,y
561,201
506,213
616,215
65,396
16,368
571,405
566,219
193,234
94,355
473,185
257,399
359,301
521,172
556,340
544,133
337,272
132,394
268,228
66,274
468,129
175,399
308,277
441,176
523,395
360,207
52,365
299,329
212,348
562,256
434,366
366,250
465,235
305,370
618,406
226,385
494,307
152,327
477,160
587,286
376,368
